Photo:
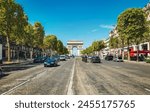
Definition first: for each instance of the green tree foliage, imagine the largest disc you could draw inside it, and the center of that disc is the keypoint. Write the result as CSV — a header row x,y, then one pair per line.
x,y
113,42
39,34
98,45
132,26
29,36
87,51
60,47
15,27
50,42
21,21
65,50
8,20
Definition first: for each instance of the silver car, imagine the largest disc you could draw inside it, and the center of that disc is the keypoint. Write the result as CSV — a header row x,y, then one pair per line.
x,y
62,58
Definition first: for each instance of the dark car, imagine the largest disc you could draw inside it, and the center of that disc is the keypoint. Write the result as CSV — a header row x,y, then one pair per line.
x,y
67,57
50,62
1,72
118,59
95,59
134,58
39,59
84,58
56,57
109,58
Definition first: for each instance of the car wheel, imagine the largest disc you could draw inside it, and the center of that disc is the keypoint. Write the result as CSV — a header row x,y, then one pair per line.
x,y
45,65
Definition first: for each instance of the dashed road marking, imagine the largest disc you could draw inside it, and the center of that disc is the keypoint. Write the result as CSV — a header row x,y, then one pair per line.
x,y
147,89
12,89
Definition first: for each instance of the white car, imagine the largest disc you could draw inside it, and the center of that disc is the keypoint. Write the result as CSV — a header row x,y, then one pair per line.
x,y
62,58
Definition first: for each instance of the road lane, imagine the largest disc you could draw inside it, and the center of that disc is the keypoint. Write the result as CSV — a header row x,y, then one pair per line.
x,y
16,78
55,80
112,78
80,78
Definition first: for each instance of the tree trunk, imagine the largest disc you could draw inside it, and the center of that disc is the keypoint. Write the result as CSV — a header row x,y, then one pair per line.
x,y
31,53
122,49
18,55
8,46
137,53
128,50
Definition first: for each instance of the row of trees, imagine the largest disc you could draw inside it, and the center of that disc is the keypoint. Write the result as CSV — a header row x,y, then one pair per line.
x,y
15,27
132,28
94,48
52,44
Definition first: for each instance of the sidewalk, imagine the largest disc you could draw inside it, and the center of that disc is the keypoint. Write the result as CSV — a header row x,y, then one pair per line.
x,y
21,61
140,62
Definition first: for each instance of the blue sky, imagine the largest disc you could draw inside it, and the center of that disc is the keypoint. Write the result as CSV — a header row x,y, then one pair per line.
x,y
86,20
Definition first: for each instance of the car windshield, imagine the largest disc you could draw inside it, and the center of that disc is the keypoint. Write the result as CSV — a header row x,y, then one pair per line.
x,y
62,56
50,59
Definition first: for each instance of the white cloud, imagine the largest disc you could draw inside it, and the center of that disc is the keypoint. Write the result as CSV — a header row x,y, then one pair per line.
x,y
94,30
107,26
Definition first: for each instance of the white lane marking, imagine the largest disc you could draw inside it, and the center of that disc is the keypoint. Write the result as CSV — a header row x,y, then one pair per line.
x,y
147,89
12,89
70,90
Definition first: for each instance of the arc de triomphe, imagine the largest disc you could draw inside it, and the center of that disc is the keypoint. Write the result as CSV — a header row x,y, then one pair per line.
x,y
75,43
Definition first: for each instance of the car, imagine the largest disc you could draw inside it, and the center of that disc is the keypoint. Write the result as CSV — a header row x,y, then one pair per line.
x,y
1,71
67,57
109,58
84,58
118,59
56,57
39,59
50,62
62,58
95,59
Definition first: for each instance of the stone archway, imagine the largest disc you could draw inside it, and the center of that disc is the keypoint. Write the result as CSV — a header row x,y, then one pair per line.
x,y
75,43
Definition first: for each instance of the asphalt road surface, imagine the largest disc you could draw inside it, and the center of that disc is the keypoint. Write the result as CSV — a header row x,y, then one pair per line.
x,y
74,77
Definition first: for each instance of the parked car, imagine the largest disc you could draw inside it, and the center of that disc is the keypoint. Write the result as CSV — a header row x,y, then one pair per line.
x,y
118,59
39,59
50,62
109,58
84,58
1,71
62,58
67,57
134,58
95,59
57,58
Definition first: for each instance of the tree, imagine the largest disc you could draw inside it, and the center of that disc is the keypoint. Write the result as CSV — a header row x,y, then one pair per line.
x,y
39,34
29,38
59,47
7,20
65,50
21,21
98,45
50,42
87,51
132,25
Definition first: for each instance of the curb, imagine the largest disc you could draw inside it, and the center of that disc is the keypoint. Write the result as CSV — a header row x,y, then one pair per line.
x,y
142,63
15,62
